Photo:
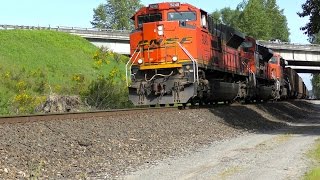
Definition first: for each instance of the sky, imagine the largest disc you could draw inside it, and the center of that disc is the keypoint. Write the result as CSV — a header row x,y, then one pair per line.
x,y
78,13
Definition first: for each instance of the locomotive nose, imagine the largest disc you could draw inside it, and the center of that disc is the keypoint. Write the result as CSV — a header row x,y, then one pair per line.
x,y
150,30
153,33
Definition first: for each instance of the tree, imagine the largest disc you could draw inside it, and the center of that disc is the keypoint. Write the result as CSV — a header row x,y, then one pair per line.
x,y
278,22
100,18
229,17
115,14
311,8
315,80
254,21
216,15
261,19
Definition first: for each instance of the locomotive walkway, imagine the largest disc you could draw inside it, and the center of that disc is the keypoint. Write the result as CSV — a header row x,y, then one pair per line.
x,y
304,58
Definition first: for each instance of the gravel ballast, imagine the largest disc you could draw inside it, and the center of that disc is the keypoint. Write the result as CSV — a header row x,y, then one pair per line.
x,y
110,147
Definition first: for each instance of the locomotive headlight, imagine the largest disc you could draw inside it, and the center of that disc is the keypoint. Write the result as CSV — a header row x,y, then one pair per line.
x,y
160,33
140,61
174,58
160,30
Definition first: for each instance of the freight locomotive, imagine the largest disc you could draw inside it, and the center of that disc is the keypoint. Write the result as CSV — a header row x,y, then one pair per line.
x,y
179,54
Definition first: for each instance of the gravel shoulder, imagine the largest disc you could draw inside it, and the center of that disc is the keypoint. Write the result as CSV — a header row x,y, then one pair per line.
x,y
277,154
110,148
254,156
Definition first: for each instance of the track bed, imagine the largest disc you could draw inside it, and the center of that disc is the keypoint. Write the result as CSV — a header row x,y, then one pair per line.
x,y
111,146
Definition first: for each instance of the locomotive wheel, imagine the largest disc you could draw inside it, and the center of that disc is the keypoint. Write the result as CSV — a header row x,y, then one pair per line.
x,y
247,101
184,105
229,102
200,102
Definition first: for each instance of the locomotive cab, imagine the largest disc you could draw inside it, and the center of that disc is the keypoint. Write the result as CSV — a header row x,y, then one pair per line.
x,y
276,70
257,85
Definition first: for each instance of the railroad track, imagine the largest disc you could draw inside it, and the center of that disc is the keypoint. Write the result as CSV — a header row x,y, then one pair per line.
x,y
80,115
100,114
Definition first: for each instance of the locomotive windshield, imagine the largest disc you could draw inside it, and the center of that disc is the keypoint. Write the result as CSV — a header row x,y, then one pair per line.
x,y
148,18
247,44
182,16
273,60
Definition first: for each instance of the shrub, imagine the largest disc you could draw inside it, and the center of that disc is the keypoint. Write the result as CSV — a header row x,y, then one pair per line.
x,y
4,104
25,103
105,93
78,83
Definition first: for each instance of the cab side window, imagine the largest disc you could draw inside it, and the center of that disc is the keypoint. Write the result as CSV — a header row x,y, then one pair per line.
x,y
203,20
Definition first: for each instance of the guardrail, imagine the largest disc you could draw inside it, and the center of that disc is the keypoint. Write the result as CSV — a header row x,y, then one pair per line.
x,y
290,46
73,30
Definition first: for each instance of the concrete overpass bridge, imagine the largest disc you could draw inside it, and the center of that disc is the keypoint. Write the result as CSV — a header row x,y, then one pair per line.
x,y
116,40
301,57
304,58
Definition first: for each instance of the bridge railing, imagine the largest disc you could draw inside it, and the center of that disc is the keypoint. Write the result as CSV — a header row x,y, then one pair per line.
x,y
290,46
76,30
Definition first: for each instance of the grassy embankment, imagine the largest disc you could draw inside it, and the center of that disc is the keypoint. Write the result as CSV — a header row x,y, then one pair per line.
x,y
314,174
34,64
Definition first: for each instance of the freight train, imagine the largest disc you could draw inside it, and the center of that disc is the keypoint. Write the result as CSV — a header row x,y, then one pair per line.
x,y
179,54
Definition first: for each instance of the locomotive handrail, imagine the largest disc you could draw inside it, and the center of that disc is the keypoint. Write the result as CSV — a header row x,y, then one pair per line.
x,y
194,63
127,79
162,75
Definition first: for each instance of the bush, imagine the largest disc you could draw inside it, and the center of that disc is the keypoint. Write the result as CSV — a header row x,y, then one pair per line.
x,y
4,104
25,103
105,56
105,93
48,62
21,90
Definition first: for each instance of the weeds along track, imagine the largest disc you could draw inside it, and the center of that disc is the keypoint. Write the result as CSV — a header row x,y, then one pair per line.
x,y
81,115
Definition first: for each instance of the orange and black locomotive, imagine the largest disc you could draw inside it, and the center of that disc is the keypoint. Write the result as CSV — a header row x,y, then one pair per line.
x,y
179,54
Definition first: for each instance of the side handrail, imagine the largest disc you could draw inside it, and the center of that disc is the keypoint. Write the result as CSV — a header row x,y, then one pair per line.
x,y
194,63
129,66
251,73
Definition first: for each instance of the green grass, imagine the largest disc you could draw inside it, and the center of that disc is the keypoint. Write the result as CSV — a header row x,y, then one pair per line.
x,y
314,174
34,63
59,54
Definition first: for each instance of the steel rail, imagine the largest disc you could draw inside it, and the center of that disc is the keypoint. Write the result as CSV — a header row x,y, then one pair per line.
x,y
78,115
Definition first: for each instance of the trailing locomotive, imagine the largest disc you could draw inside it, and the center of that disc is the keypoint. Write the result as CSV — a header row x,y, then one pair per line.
x,y
179,54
